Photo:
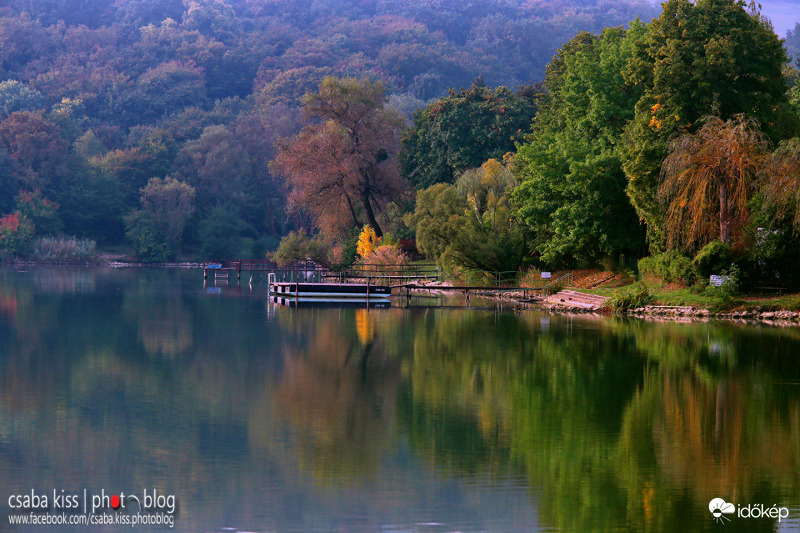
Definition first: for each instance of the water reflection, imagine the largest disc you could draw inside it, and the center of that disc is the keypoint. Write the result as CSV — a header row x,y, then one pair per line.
x,y
338,391
265,417
622,425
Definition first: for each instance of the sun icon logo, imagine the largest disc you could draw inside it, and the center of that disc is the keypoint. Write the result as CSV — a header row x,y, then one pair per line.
x,y
719,508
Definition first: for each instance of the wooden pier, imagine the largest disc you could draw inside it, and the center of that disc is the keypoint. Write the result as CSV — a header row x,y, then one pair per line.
x,y
329,290
310,281
332,291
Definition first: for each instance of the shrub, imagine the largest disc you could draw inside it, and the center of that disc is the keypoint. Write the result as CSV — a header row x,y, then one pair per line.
x,y
16,235
532,277
631,297
297,246
151,246
555,287
669,266
368,242
725,294
387,256
63,248
713,258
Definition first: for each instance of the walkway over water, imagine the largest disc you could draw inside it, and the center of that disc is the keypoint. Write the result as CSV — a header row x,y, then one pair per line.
x,y
415,276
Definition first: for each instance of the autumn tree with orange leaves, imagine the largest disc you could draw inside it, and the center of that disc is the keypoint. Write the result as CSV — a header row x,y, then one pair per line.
x,y
708,179
342,167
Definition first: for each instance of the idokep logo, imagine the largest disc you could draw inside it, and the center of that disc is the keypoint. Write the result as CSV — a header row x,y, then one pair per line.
x,y
719,508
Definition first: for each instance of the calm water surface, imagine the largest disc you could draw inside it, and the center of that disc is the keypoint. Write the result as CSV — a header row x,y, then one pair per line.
x,y
260,417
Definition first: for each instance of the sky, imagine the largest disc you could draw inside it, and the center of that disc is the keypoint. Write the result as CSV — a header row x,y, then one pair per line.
x,y
784,14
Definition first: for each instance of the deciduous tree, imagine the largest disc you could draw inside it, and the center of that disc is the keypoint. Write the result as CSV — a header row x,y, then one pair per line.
x,y
344,166
781,185
170,203
572,191
699,58
463,130
708,180
470,224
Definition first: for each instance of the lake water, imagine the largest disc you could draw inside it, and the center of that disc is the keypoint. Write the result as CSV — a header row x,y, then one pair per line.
x,y
260,417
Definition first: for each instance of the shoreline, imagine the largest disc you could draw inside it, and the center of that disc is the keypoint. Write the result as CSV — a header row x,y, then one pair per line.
x,y
103,263
679,313
676,313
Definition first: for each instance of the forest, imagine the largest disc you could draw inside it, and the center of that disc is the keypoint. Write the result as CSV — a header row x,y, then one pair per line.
x,y
490,134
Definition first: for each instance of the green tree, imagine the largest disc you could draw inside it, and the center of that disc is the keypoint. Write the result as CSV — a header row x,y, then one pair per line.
x,y
463,130
167,88
169,203
16,96
572,191
220,233
436,218
297,246
156,229
150,244
470,224
698,59
41,211
130,169
217,165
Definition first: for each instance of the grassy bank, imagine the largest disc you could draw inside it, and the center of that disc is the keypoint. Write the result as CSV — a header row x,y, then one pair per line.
x,y
670,295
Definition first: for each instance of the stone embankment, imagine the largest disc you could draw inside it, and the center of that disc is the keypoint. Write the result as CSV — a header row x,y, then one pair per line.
x,y
578,302
575,301
778,318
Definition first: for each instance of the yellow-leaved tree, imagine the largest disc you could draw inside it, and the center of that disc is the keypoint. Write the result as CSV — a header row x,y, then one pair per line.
x,y
368,242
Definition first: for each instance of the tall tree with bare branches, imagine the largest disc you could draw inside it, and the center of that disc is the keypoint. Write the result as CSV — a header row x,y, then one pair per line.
x,y
343,166
708,178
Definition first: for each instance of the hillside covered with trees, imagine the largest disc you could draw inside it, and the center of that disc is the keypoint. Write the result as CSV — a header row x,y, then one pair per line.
x,y
490,135
98,98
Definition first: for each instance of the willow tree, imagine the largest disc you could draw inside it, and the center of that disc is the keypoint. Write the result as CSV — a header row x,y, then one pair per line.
x,y
342,168
782,188
708,179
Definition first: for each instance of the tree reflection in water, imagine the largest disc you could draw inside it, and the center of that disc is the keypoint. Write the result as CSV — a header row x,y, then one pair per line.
x,y
344,419
622,425
339,391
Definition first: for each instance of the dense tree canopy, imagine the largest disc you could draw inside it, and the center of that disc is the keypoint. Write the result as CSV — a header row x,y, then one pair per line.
x,y
700,58
463,130
99,97
572,191
469,224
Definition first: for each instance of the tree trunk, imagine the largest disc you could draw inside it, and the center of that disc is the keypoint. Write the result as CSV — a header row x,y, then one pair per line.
x,y
352,211
724,215
371,220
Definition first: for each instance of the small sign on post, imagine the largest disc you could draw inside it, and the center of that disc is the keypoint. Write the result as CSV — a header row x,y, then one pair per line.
x,y
719,281
546,275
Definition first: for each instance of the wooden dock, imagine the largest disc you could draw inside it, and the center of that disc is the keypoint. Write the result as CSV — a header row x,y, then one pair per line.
x,y
338,303
332,291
